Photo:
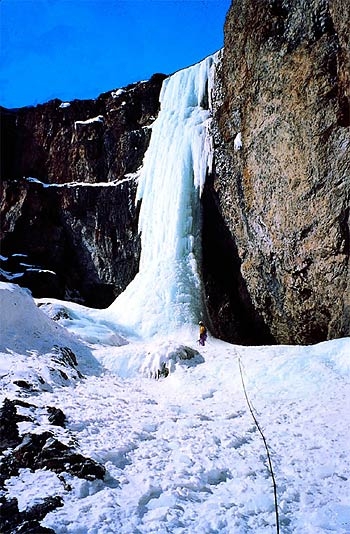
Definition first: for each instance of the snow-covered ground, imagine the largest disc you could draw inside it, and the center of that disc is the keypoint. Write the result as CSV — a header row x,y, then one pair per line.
x,y
183,453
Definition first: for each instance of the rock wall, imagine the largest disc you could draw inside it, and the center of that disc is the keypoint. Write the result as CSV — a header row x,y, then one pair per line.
x,y
71,232
282,185
91,141
76,242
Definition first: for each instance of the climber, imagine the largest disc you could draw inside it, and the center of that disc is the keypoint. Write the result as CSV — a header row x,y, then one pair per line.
x,y
202,333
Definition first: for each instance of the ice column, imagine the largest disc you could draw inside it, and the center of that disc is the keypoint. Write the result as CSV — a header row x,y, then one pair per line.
x,y
166,294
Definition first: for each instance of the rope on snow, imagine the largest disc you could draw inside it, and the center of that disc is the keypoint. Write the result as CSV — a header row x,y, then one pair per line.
x,y
266,446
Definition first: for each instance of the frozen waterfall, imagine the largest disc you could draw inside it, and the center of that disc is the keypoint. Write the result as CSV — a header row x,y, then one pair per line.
x,y
166,294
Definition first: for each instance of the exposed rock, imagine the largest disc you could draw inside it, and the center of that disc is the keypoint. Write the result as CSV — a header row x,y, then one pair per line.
x,y
56,416
91,141
65,356
80,243
23,384
57,313
79,239
9,435
163,372
36,451
282,186
44,451
40,451
26,522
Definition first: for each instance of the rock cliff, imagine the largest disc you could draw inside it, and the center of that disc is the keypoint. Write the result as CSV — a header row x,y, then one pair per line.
x,y
282,186
69,223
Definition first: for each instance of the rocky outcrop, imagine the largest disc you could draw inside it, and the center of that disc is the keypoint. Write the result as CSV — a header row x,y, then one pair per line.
x,y
36,451
28,521
70,230
281,190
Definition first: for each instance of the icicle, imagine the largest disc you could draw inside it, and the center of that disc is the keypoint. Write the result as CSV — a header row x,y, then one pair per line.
x,y
166,293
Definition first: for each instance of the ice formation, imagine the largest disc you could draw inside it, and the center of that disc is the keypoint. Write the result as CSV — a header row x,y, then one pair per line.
x,y
166,294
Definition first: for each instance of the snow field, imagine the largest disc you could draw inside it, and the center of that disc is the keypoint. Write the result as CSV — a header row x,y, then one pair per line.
x,y
183,454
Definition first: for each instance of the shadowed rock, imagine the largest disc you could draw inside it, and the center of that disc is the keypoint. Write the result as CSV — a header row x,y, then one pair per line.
x,y
9,435
26,522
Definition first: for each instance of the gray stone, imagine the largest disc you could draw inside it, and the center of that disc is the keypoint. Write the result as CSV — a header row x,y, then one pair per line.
x,y
282,198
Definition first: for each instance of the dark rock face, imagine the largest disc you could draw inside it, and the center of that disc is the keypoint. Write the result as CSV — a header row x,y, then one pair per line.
x,y
281,198
9,435
79,243
90,141
232,314
74,235
27,522
56,416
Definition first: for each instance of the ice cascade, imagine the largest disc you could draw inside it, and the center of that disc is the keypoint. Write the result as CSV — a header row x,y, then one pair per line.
x,y
166,294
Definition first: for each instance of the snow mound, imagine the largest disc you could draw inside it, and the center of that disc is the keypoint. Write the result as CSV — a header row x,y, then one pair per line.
x,y
161,359
25,329
34,373
150,359
24,326
86,323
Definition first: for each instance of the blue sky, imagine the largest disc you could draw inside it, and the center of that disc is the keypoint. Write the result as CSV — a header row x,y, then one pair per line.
x,y
80,48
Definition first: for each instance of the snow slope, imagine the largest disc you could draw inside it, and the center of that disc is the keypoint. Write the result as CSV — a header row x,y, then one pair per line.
x,y
183,454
